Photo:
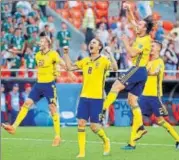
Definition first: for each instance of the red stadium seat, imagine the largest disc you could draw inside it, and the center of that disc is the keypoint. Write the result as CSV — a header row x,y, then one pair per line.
x,y
75,14
77,23
167,25
63,12
101,13
102,5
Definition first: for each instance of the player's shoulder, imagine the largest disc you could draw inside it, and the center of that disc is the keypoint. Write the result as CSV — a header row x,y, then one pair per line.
x,y
104,58
38,54
53,52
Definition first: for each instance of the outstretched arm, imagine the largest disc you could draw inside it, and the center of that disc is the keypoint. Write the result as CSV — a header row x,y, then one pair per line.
x,y
114,66
130,50
70,66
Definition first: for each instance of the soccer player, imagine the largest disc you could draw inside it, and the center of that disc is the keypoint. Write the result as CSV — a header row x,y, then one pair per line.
x,y
90,106
134,79
150,101
47,60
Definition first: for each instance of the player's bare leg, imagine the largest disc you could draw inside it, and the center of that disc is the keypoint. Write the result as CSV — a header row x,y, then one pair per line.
x,y
56,124
81,138
161,121
97,129
11,129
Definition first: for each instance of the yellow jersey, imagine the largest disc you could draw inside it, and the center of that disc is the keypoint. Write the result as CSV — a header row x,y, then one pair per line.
x,y
144,45
153,86
94,74
46,66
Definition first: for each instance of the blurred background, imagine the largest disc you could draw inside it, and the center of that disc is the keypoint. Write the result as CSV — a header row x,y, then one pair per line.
x,y
74,24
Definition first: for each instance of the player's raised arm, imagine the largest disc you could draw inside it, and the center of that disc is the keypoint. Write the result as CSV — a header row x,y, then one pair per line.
x,y
130,50
70,66
113,65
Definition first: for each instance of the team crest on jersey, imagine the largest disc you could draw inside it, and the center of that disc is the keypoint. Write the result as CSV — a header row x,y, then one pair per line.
x,y
97,64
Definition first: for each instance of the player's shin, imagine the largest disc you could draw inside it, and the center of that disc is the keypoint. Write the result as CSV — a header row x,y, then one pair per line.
x,y
81,141
56,123
169,128
22,114
111,97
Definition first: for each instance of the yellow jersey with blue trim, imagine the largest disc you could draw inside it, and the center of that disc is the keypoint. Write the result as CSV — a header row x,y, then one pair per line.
x,y
153,85
143,44
46,66
94,74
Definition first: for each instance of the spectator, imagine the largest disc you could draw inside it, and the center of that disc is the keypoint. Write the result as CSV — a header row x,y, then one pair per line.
x,y
42,5
102,34
83,52
33,41
5,12
50,22
7,24
171,59
159,32
14,102
60,4
175,3
26,7
30,61
4,115
63,36
18,42
122,12
89,23
32,26
47,32
14,63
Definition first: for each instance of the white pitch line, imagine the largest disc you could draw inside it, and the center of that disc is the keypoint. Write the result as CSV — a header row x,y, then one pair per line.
x,y
94,142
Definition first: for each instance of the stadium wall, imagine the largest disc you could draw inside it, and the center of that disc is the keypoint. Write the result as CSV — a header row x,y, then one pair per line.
x,y
68,96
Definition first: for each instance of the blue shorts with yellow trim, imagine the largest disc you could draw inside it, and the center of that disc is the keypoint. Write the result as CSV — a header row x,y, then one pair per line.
x,y
90,109
47,90
150,105
134,80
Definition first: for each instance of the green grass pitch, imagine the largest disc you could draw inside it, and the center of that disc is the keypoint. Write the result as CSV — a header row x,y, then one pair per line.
x,y
34,143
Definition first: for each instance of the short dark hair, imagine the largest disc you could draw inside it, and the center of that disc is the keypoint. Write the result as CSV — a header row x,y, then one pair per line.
x,y
46,25
149,24
175,33
159,43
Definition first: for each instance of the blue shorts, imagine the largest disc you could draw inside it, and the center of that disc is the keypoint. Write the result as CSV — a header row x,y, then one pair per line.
x,y
47,90
134,80
90,109
150,105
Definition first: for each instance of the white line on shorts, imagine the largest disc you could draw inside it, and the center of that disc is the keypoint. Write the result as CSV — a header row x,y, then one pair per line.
x,y
93,142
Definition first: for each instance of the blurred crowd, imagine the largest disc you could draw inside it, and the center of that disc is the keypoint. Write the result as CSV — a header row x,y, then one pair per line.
x,y
24,22
12,101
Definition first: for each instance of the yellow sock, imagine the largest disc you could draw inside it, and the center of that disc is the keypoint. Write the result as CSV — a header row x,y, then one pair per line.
x,y
137,122
22,114
102,135
111,97
56,123
170,129
81,140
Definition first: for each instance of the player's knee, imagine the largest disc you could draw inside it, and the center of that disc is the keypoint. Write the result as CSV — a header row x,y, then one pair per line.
x,y
81,123
94,127
53,108
28,103
132,101
160,121
117,86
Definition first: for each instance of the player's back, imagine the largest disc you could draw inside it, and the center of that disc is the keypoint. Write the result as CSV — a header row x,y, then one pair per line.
x,y
153,86
94,72
46,66
144,45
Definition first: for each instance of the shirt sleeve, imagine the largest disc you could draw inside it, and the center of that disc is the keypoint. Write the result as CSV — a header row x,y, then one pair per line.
x,y
56,57
80,64
108,64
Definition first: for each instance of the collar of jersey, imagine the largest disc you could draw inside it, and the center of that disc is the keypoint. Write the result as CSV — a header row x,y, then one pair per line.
x,y
45,53
95,58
